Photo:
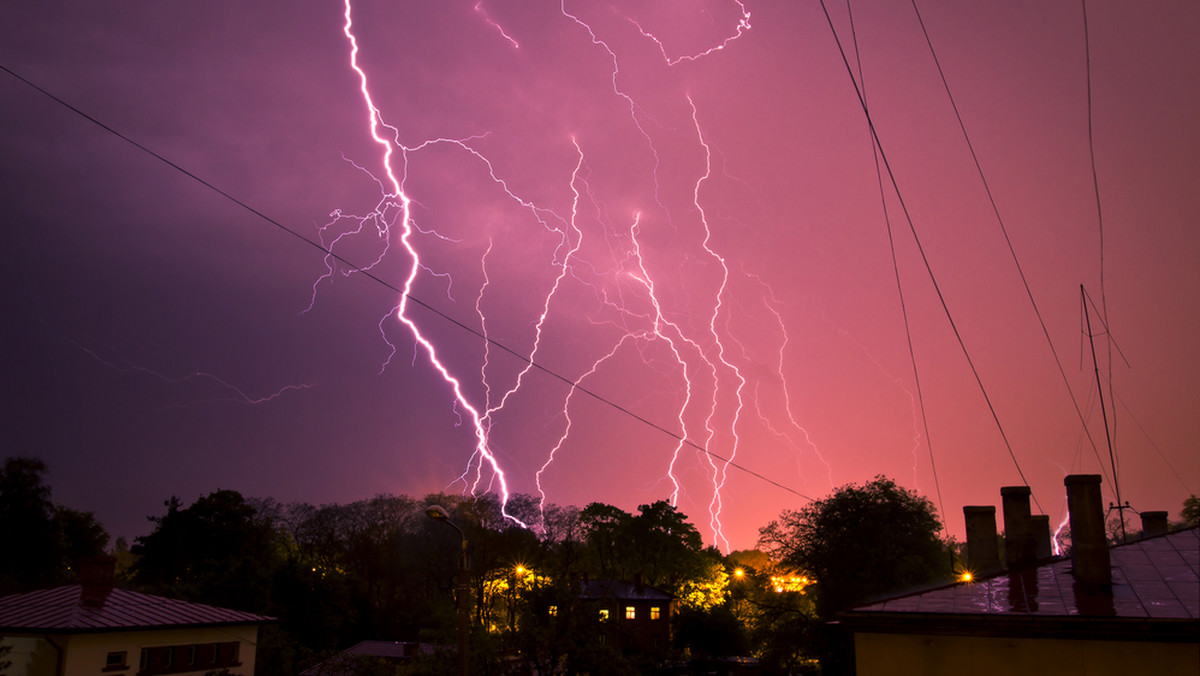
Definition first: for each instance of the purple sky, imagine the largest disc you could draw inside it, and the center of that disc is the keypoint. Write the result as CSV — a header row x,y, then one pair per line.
x,y
588,168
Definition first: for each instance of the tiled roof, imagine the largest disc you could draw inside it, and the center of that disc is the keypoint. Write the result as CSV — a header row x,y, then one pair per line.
x,y
621,589
1155,581
60,610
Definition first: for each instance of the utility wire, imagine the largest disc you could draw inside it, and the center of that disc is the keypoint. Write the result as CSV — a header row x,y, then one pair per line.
x,y
1004,230
920,248
1087,52
887,220
366,272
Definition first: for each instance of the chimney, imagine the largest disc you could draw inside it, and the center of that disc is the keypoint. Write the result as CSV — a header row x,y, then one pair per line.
x,y
1019,549
983,553
96,579
1041,536
1154,523
1089,547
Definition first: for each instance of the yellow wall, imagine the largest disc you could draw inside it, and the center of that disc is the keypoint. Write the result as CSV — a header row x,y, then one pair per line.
x,y
904,655
84,653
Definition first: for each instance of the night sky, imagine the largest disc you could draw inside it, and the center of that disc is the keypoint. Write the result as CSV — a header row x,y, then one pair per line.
x,y
675,205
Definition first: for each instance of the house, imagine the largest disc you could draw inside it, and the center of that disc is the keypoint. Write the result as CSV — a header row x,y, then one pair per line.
x,y
639,614
1127,609
347,662
93,628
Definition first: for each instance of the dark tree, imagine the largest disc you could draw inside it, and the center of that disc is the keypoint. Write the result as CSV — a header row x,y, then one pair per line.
x,y
861,542
47,541
216,551
1191,511
25,520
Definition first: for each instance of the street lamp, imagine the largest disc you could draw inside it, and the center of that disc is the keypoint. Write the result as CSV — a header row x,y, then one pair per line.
x,y
462,588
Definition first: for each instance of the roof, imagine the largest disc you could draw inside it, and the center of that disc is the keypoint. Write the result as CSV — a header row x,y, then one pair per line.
x,y
1155,591
621,589
60,610
391,649
343,663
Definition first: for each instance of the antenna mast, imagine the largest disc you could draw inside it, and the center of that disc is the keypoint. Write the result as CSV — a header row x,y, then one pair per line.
x,y
1112,458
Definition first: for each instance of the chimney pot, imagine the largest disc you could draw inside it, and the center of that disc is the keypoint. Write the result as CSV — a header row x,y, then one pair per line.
x,y
1089,546
96,579
983,553
1154,523
1019,547
1041,536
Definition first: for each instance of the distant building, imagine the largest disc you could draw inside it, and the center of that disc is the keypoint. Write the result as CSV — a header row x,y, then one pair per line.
x,y
93,628
639,615
346,663
1129,609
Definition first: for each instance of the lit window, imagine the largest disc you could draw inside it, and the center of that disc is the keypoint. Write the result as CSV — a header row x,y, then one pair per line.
x,y
630,613
553,611
604,614
655,612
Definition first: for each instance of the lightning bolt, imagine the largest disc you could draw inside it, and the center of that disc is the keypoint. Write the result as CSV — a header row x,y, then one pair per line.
x,y
608,275
236,394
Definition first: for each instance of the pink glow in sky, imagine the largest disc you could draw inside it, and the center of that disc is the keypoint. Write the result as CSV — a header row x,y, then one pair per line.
x,y
694,234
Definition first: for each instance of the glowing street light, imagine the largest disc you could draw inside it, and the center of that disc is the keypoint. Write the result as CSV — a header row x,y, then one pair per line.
x,y
462,588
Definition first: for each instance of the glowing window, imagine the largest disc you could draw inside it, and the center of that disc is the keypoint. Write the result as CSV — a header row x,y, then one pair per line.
x,y
553,611
655,612
630,613
603,614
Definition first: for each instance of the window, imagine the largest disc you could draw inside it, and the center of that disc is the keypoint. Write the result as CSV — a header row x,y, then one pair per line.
x,y
655,612
115,661
630,613
553,611
604,614
184,658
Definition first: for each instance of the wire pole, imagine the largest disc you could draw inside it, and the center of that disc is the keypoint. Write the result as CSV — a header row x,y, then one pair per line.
x,y
1112,458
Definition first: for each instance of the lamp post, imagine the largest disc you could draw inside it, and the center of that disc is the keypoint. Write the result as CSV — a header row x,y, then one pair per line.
x,y
462,588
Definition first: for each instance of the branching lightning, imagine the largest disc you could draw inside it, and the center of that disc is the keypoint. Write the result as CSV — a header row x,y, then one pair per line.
x,y
235,393
677,328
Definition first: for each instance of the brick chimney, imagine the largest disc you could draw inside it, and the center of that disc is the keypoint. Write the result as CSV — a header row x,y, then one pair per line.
x,y
983,553
1041,536
96,579
1019,548
1154,523
1089,547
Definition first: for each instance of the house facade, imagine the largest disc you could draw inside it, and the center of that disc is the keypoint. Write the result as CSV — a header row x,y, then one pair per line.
x,y
93,628
638,616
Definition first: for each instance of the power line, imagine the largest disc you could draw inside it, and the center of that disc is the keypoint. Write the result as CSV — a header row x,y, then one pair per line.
x,y
921,249
367,273
887,220
1004,229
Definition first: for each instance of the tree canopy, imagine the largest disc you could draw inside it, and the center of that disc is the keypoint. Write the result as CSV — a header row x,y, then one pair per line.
x,y
48,540
861,542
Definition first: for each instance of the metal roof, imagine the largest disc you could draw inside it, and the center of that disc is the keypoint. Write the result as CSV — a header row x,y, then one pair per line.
x,y
61,610
1155,582
621,590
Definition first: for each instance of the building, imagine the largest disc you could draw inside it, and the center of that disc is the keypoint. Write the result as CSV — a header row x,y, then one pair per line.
x,y
1127,609
639,615
94,628
396,653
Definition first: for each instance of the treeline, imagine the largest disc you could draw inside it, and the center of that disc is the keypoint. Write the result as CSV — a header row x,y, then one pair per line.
x,y
381,569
